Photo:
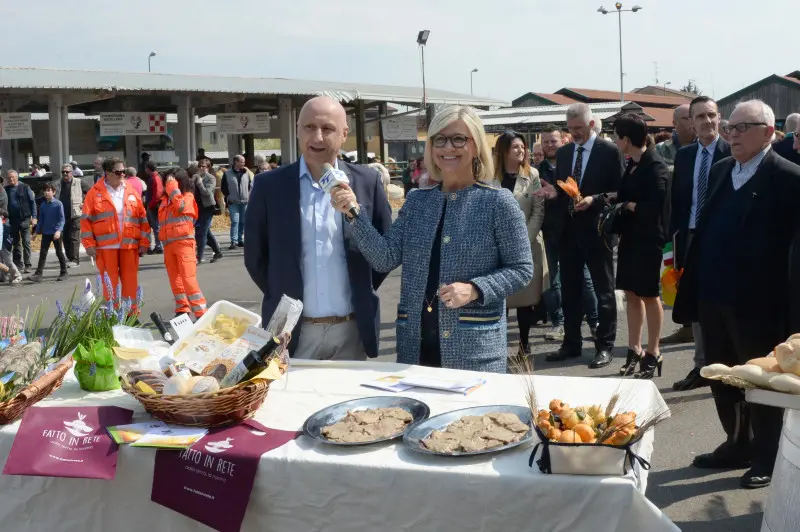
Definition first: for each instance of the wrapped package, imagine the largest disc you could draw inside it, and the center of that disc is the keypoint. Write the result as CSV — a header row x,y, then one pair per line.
x,y
95,367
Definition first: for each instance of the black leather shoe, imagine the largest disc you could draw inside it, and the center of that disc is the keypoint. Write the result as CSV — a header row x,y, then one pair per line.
x,y
691,381
601,359
725,456
754,479
562,354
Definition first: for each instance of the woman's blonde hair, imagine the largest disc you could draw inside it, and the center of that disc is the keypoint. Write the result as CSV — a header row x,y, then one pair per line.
x,y
483,168
501,149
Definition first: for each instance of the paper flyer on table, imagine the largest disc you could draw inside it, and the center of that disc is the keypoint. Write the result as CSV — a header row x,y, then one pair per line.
x,y
134,431
171,437
402,383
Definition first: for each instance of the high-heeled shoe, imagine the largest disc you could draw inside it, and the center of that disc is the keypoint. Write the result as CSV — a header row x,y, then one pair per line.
x,y
631,359
648,366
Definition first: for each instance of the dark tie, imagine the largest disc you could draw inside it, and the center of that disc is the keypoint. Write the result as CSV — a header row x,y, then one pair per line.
x,y
577,172
702,186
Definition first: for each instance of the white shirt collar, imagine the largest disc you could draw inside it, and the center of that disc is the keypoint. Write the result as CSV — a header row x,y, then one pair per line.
x,y
754,162
304,167
711,147
587,146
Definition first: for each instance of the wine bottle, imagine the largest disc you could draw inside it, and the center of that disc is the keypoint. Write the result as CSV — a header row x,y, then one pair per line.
x,y
252,364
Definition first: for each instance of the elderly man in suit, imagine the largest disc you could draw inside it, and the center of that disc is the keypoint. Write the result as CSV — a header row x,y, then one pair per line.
x,y
786,147
597,167
689,194
745,230
298,245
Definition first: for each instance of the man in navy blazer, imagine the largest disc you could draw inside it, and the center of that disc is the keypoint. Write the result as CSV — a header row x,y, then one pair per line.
x,y
297,244
690,190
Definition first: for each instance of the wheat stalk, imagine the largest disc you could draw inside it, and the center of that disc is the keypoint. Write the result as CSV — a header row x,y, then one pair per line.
x,y
523,367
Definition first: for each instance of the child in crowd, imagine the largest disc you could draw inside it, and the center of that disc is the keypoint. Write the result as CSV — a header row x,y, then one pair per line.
x,y
51,223
8,270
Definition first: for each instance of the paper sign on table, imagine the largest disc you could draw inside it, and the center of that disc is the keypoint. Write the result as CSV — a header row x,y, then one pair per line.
x,y
171,437
133,432
182,325
67,442
211,481
401,383
390,383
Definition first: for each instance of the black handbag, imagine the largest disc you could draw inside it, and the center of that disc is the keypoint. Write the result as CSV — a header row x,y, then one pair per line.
x,y
609,225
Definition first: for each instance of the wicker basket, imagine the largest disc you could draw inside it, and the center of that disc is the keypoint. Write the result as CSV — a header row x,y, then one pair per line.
x,y
34,392
225,407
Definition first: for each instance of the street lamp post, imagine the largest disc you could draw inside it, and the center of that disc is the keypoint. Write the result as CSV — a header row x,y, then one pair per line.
x,y
422,40
620,11
665,87
149,57
470,81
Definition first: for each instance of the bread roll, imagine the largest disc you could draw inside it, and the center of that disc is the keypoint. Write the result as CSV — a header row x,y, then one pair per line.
x,y
569,436
205,385
785,382
788,355
766,363
754,374
715,370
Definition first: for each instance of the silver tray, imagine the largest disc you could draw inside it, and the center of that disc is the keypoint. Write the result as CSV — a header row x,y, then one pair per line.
x,y
327,416
414,436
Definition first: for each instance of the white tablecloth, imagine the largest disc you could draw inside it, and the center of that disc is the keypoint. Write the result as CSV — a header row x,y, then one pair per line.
x,y
306,486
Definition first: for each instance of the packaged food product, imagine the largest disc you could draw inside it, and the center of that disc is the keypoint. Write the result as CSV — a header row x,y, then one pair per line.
x,y
205,385
178,385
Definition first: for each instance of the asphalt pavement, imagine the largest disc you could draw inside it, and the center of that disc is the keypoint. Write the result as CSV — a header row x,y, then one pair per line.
x,y
694,499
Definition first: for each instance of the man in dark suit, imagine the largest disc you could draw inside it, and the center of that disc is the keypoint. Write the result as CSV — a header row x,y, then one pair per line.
x,y
689,194
745,231
597,166
298,245
786,146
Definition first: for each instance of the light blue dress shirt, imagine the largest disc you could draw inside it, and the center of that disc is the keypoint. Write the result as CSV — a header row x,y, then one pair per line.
x,y
698,162
587,147
326,283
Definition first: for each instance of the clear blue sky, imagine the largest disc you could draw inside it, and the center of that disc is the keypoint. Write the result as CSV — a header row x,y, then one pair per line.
x,y
517,45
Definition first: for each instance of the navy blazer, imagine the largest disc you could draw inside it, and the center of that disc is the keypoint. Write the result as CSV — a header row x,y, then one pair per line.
x,y
771,223
273,246
682,190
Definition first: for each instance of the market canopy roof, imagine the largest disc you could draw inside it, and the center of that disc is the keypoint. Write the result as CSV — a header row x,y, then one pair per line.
x,y
101,88
535,118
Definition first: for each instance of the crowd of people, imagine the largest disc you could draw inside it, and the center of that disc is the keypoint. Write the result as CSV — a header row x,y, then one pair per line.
x,y
492,232
481,231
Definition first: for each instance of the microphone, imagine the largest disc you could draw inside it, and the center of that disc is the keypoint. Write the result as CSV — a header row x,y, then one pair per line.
x,y
331,179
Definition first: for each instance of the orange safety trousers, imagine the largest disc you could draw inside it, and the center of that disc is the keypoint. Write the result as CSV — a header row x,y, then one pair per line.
x,y
121,265
180,258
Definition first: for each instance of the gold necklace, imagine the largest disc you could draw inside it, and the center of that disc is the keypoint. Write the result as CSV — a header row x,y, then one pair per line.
x,y
429,304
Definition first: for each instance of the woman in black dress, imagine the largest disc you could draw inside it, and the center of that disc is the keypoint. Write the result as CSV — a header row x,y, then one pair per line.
x,y
642,229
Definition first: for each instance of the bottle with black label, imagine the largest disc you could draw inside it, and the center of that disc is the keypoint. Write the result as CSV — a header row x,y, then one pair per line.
x,y
252,364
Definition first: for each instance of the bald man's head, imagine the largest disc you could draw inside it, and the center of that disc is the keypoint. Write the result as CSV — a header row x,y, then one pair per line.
x,y
682,120
321,130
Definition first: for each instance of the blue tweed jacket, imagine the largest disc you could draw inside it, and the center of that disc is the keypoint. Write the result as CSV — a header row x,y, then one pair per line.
x,y
484,241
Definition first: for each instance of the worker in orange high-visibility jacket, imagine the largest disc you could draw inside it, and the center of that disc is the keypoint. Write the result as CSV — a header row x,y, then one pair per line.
x,y
115,231
177,214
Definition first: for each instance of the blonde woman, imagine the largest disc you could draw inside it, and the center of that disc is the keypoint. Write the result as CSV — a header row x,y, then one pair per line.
x,y
457,277
514,172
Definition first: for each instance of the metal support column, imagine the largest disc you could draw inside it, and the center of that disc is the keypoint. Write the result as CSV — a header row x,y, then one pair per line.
x,y
55,131
288,131
382,113
64,138
183,130
249,149
361,134
233,141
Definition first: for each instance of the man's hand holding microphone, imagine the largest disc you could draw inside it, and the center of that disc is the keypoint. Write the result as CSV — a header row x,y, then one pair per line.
x,y
336,183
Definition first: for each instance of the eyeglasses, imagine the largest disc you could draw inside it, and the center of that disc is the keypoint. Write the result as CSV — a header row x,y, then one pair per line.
x,y
457,141
65,172
741,127
119,172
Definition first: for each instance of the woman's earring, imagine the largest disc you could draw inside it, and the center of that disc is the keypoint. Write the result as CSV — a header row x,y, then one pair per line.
x,y
476,167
